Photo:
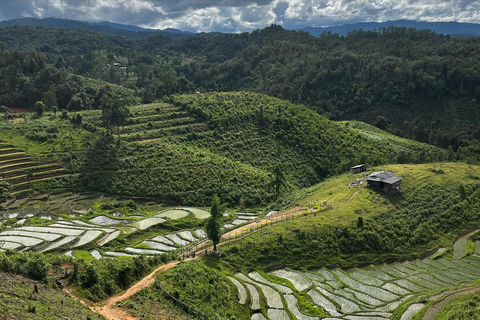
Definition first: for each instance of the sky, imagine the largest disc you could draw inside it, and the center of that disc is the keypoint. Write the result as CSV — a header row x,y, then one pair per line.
x,y
241,15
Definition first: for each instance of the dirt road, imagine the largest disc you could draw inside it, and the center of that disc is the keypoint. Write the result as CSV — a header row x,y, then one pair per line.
x,y
107,307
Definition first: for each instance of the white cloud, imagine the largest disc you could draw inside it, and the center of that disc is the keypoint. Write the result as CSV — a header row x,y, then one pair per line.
x,y
242,15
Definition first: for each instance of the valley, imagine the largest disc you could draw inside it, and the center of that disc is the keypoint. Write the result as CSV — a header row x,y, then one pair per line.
x,y
216,176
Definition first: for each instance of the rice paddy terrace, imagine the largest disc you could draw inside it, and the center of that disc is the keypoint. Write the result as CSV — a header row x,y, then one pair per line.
x,y
70,222
20,170
399,290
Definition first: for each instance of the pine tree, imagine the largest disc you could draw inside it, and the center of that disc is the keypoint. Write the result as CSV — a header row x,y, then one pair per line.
x,y
213,223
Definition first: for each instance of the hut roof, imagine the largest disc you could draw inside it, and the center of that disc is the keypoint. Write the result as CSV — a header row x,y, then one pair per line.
x,y
359,166
384,176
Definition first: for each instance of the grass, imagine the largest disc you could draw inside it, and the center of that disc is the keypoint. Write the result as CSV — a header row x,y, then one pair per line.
x,y
316,240
17,301
202,284
82,254
350,203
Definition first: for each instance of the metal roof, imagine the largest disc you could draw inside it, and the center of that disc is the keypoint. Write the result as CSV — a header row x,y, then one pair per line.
x,y
384,176
359,166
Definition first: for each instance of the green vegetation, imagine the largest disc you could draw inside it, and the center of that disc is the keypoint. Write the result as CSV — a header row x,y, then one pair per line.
x,y
99,279
196,288
431,95
248,148
213,226
31,264
4,192
219,143
55,84
427,212
17,301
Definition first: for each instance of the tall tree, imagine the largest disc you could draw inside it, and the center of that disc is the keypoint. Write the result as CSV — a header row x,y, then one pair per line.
x,y
279,180
213,223
49,99
39,108
114,112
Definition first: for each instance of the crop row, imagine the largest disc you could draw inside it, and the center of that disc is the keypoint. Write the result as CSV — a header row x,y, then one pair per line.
x,y
19,170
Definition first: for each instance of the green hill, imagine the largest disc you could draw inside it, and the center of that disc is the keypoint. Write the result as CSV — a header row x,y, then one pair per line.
x,y
437,202
194,146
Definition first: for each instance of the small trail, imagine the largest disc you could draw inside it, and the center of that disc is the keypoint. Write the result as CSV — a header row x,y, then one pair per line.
x,y
353,195
106,308
434,309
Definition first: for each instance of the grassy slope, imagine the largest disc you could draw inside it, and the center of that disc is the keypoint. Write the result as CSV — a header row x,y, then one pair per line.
x,y
200,283
16,299
225,143
427,213
462,308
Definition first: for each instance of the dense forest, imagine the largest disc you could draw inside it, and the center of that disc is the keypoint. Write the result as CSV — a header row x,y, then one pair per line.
x,y
413,83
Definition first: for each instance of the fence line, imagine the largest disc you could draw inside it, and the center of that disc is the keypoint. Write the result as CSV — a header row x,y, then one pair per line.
x,y
206,243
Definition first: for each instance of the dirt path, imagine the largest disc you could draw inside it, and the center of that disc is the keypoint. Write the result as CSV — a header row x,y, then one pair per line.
x,y
353,195
434,309
106,308
284,215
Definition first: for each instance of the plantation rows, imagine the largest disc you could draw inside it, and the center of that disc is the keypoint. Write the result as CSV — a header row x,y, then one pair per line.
x,y
159,122
17,168
374,292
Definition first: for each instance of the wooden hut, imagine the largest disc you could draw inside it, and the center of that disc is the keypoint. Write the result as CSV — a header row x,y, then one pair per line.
x,y
385,181
359,169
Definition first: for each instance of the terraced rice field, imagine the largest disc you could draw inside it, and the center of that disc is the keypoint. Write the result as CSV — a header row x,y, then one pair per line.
x,y
20,170
370,293
67,233
241,218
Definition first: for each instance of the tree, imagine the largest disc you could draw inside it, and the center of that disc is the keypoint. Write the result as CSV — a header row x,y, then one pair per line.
x,y
50,99
39,108
279,181
213,223
360,222
4,192
114,113
60,63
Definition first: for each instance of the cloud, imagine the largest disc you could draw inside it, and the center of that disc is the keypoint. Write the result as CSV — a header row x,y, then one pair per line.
x,y
242,15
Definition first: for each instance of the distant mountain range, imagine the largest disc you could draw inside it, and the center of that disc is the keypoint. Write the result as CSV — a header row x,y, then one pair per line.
x,y
129,31
447,28
455,29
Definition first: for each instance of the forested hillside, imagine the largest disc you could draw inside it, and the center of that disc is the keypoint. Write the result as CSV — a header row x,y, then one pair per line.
x,y
202,144
27,78
406,81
